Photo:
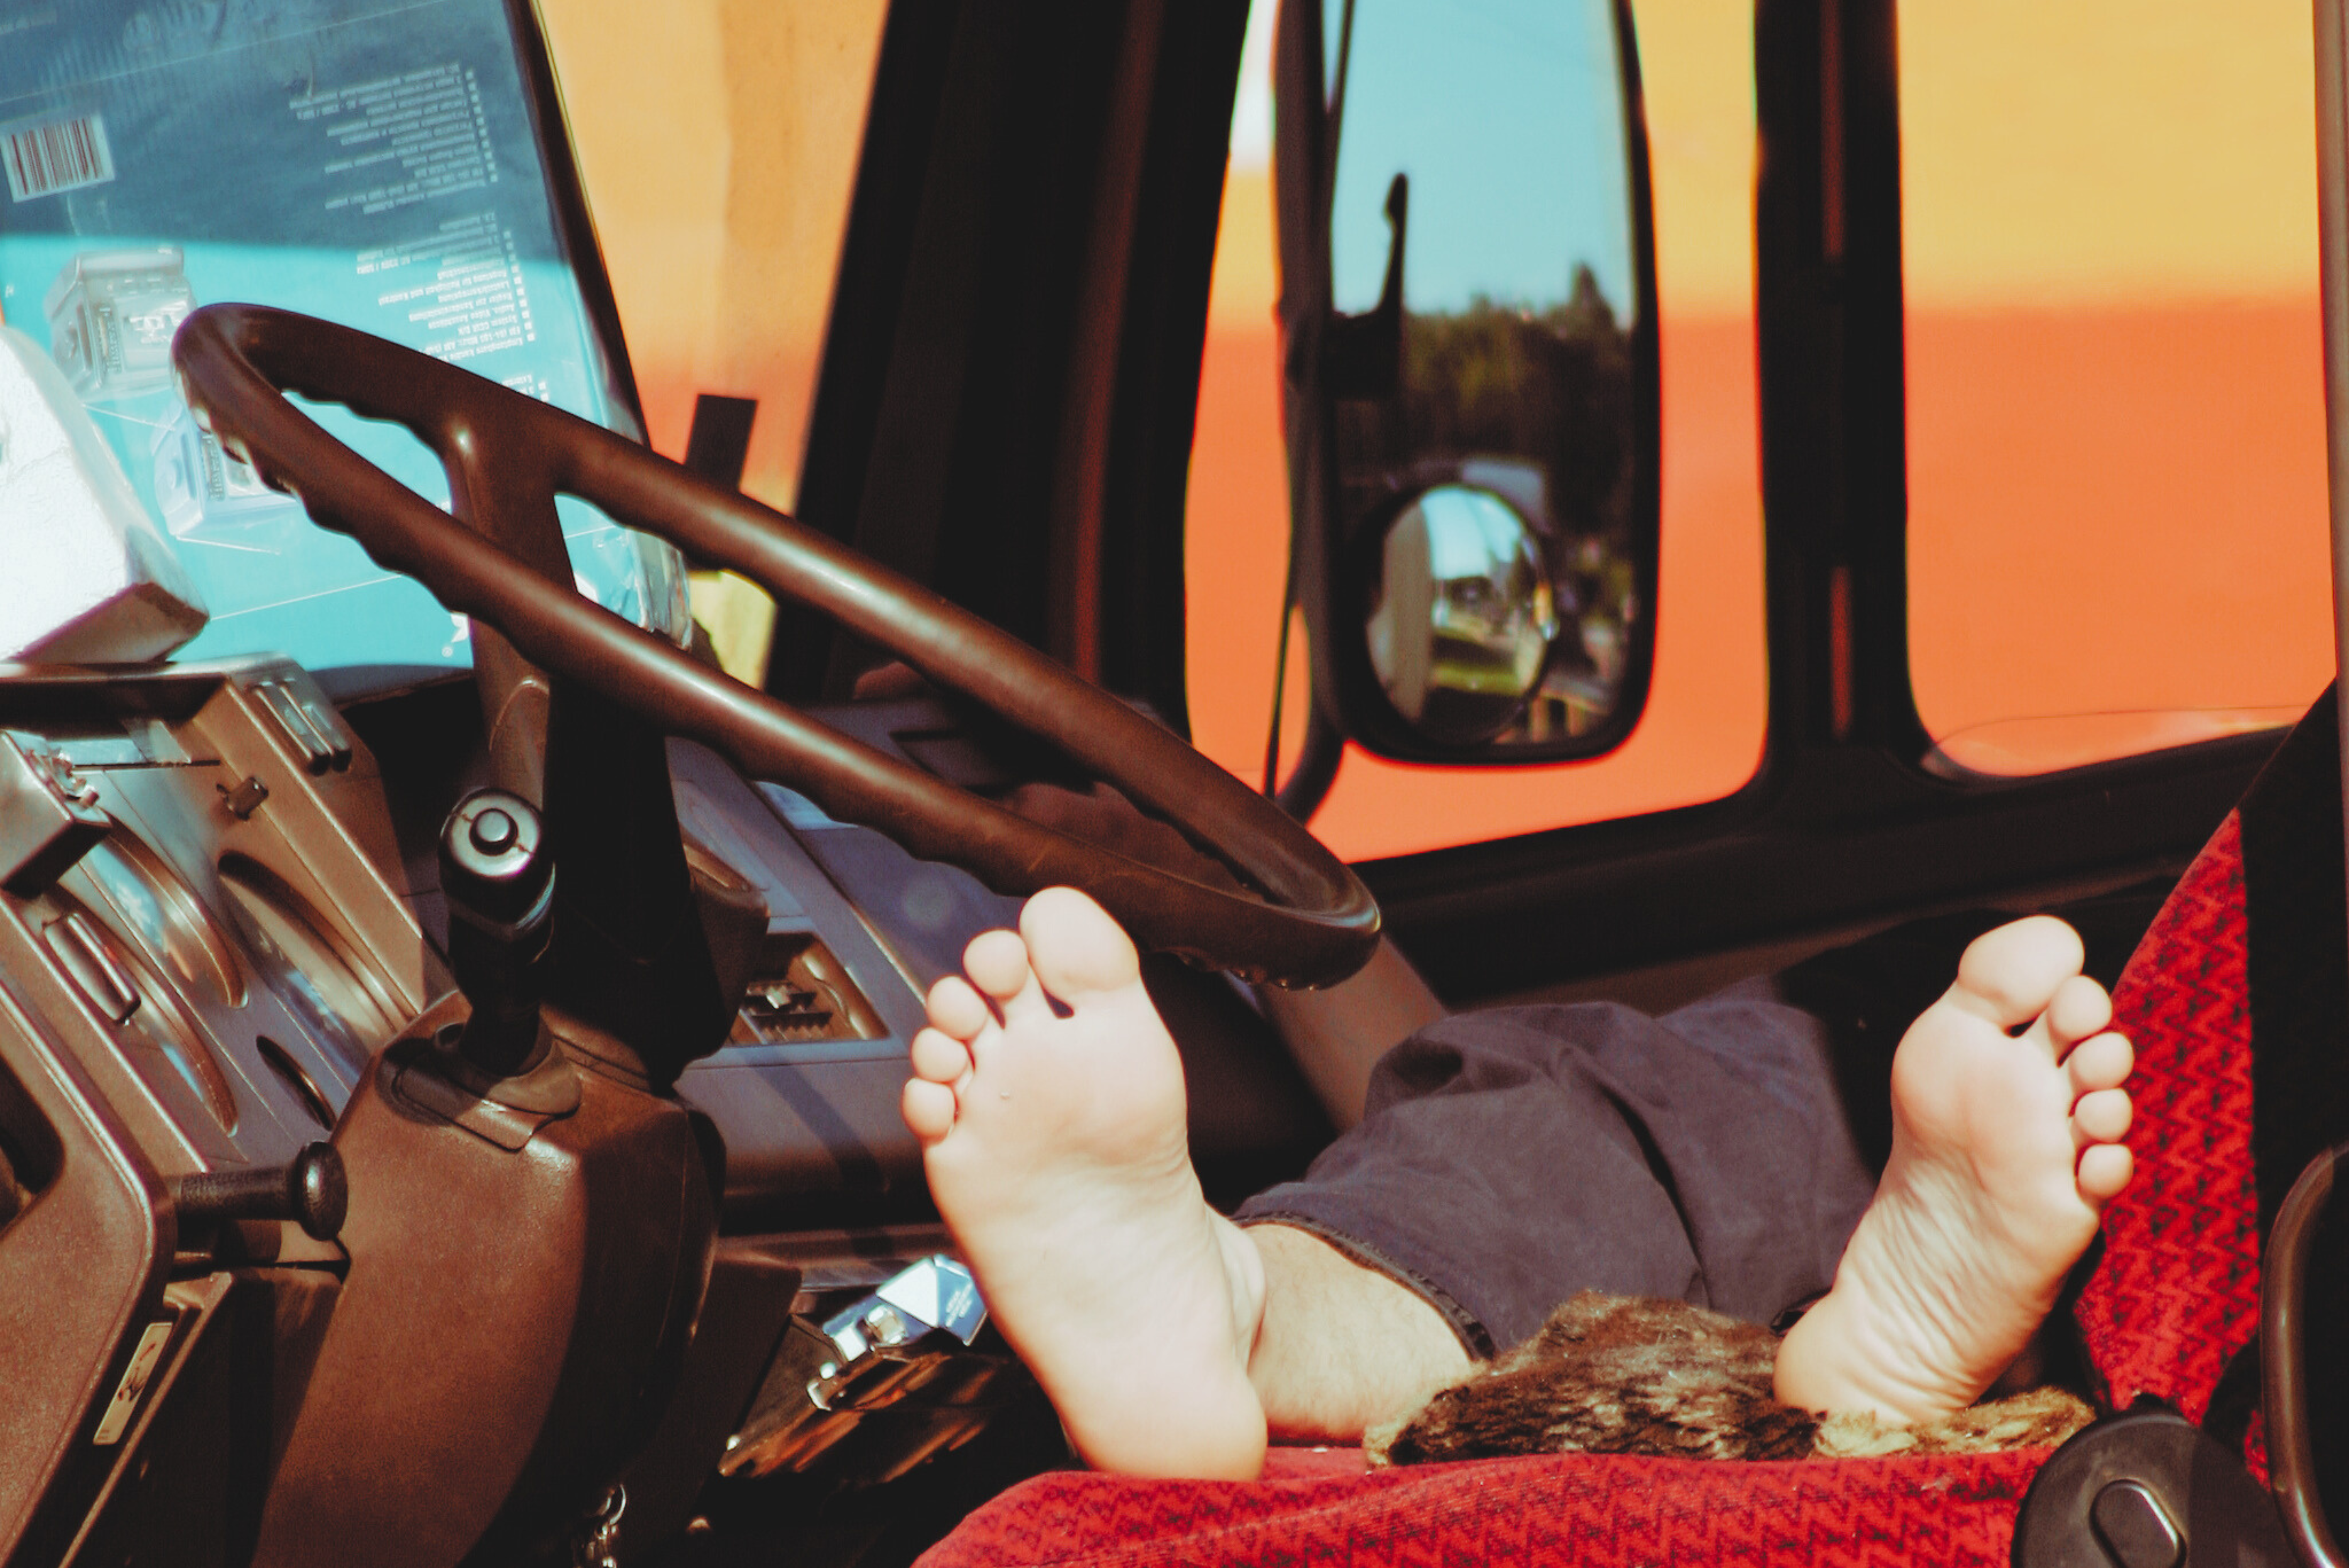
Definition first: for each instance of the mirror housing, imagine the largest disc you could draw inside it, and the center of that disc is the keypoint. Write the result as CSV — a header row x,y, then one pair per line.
x,y
1523,351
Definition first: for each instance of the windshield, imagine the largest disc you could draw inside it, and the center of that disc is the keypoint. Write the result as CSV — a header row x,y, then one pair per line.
x,y
375,162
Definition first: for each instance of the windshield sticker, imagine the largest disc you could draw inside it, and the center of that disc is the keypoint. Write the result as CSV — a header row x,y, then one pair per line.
x,y
372,162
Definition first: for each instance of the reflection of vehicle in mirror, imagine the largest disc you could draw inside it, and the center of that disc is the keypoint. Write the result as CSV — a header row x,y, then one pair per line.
x,y
1461,613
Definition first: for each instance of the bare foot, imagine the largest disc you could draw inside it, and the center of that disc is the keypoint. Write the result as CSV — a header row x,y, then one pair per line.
x,y
1056,1149
2007,1112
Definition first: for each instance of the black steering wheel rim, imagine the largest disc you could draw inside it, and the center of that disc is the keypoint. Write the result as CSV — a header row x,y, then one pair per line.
x,y
507,455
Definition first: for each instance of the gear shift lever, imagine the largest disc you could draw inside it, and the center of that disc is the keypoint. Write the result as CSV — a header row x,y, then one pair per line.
x,y
499,883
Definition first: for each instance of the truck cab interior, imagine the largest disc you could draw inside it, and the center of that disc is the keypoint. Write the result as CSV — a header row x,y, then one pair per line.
x,y
1413,506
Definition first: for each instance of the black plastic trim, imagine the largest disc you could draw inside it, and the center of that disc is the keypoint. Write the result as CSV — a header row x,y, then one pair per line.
x,y
551,121
1831,837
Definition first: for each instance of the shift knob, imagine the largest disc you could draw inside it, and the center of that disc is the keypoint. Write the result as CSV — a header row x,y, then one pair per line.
x,y
499,883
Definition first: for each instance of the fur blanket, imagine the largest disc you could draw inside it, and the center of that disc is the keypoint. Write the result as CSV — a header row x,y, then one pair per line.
x,y
1623,1375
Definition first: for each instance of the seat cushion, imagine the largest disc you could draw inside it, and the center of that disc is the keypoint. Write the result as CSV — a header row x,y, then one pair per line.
x,y
2176,1292
1588,1510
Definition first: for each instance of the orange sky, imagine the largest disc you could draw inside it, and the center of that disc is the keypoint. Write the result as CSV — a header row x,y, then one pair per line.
x,y
2116,426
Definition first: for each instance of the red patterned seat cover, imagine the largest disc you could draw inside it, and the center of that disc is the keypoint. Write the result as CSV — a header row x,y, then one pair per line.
x,y
2178,1291
2174,1296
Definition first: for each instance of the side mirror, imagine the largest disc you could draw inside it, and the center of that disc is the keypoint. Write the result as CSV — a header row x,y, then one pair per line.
x,y
1460,614
1469,319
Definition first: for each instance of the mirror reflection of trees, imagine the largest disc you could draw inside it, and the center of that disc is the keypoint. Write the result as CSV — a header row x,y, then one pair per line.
x,y
1535,403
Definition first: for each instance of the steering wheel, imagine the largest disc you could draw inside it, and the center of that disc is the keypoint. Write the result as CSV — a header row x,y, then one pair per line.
x,y
507,454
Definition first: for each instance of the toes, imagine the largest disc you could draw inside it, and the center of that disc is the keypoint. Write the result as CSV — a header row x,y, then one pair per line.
x,y
2080,1008
957,1010
1066,946
2011,974
2101,1062
997,962
929,1109
2102,1118
2105,1170
939,1057
1076,948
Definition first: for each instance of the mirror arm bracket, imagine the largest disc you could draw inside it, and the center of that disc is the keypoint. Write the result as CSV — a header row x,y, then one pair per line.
x,y
1362,355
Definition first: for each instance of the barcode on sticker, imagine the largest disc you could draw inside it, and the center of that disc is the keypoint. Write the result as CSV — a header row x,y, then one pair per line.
x,y
63,155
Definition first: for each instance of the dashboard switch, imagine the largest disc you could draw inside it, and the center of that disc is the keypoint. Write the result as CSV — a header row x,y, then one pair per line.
x,y
49,814
81,953
244,801
307,724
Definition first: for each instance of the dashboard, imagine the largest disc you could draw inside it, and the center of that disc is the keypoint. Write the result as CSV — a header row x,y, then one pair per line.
x,y
224,911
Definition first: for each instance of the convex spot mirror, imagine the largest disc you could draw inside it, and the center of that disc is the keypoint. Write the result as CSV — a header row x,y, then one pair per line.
x,y
1460,615
1463,198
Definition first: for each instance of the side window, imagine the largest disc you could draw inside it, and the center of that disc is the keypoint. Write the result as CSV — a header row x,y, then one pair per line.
x,y
2115,415
1701,735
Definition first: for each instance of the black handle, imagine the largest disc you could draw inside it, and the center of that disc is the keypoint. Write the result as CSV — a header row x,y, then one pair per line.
x,y
499,877
2292,1458
313,1192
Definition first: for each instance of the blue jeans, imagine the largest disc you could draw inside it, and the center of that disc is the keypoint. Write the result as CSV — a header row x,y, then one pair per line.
x,y
1511,1158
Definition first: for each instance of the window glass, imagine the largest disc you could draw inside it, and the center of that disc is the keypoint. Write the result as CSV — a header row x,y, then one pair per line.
x,y
719,149
2117,485
371,163
1701,737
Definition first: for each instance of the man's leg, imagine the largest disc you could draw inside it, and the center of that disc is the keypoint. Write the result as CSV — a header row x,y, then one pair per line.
x,y
1165,1336
1513,1157
1341,1347
1337,1035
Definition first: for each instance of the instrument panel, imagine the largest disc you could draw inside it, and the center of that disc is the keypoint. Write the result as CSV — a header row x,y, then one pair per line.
x,y
222,905
248,928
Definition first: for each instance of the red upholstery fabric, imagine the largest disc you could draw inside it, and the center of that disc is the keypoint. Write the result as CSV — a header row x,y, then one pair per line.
x,y
1583,1511
2178,1291
2176,1294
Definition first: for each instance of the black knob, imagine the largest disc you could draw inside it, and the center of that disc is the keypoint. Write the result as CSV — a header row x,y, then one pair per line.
x,y
313,1192
493,831
493,859
499,883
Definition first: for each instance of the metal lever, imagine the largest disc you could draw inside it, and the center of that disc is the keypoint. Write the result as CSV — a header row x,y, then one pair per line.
x,y
313,1192
908,1345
